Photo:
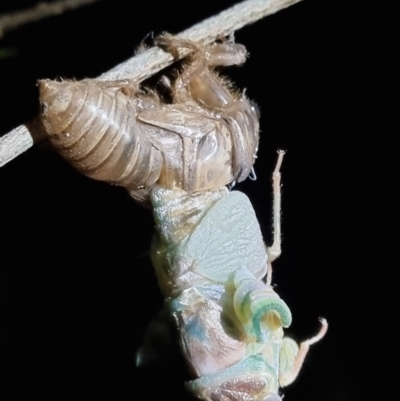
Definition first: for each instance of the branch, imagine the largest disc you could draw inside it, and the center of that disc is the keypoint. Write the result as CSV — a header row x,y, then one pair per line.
x,y
144,65
14,20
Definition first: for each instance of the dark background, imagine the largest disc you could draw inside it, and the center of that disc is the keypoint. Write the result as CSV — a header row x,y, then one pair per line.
x,y
77,287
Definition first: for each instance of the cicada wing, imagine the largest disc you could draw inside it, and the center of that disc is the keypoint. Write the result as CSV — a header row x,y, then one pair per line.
x,y
227,238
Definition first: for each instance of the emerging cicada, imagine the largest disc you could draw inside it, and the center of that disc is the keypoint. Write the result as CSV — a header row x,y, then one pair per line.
x,y
208,252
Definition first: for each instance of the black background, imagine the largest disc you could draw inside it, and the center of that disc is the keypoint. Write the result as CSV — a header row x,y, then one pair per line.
x,y
77,287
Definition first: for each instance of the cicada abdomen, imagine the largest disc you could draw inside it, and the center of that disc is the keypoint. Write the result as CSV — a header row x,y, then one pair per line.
x,y
94,127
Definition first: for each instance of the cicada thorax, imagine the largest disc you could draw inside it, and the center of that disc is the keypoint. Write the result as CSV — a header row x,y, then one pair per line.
x,y
94,128
177,214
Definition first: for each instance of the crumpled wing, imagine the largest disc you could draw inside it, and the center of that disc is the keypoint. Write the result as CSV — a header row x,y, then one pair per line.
x,y
185,123
227,238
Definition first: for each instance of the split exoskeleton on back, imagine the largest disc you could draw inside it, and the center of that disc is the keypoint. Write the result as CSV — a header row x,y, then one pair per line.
x,y
139,142
208,252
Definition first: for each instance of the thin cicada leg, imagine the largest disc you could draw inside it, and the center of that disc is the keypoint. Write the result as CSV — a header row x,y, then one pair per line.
x,y
275,250
290,376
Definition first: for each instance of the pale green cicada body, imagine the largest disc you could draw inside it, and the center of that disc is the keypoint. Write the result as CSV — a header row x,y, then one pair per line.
x,y
181,159
211,262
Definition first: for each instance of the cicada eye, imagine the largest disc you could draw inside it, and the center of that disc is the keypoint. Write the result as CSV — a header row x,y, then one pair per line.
x,y
272,397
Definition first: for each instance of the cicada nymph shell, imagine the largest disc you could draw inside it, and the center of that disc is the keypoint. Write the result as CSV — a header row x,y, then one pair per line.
x,y
116,132
209,256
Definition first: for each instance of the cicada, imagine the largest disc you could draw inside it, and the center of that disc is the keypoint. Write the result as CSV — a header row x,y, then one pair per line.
x,y
181,158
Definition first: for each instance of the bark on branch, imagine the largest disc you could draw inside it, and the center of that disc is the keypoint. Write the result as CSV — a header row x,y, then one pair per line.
x,y
150,62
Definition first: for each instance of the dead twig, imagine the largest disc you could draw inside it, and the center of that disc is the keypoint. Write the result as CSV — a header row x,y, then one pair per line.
x,y
14,20
146,64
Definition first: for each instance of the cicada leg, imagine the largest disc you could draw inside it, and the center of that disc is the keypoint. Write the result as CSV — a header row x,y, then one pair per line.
x,y
208,88
197,65
292,356
275,250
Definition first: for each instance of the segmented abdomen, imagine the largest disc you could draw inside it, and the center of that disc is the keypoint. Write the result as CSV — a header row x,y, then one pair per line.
x,y
95,129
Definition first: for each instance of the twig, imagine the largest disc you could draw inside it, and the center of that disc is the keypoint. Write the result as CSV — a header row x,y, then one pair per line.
x,y
146,64
14,20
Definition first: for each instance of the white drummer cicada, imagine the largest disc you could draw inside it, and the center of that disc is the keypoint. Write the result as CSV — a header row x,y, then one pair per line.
x,y
181,158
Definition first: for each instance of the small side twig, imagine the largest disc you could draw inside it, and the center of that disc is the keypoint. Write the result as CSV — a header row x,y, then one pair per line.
x,y
146,64
15,19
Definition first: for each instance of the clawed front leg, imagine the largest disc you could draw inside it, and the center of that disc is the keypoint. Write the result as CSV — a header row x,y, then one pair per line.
x,y
226,53
196,80
197,65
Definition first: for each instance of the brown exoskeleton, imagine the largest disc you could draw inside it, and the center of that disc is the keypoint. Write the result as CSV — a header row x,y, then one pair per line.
x,y
115,132
208,251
